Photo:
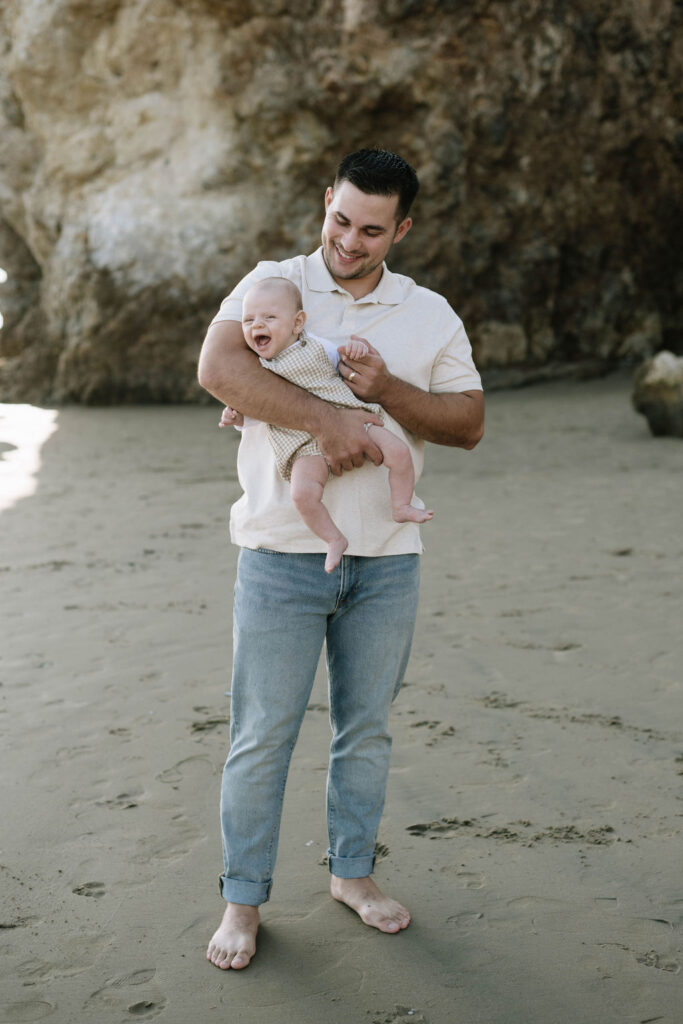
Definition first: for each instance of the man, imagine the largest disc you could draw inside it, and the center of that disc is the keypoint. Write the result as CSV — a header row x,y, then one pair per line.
x,y
420,370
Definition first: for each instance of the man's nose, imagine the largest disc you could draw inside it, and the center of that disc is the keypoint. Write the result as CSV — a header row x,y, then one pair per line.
x,y
350,239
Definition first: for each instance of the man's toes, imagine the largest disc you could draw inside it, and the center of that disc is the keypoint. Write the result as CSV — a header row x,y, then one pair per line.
x,y
219,958
397,921
226,960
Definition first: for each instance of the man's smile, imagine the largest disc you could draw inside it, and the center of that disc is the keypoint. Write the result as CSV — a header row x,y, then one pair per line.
x,y
346,257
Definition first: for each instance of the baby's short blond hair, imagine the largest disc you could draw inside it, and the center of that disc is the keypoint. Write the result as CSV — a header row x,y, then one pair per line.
x,y
285,286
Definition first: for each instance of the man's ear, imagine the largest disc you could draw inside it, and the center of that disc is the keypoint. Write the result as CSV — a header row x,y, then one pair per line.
x,y
329,193
403,229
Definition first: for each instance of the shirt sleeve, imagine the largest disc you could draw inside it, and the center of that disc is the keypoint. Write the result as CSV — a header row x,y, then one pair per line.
x,y
330,349
231,306
454,368
249,421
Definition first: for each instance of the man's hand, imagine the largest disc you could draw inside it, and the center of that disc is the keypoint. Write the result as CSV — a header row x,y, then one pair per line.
x,y
344,441
454,418
231,418
367,376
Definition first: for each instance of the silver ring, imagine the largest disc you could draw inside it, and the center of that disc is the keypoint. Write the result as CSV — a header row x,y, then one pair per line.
x,y
352,374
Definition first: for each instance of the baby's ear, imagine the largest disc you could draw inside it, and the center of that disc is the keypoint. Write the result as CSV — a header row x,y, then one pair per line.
x,y
299,321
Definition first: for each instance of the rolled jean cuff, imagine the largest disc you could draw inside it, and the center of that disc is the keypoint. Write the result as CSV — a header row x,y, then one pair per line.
x,y
351,867
234,890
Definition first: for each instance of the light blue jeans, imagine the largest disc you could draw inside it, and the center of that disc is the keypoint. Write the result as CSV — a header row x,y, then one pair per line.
x,y
286,606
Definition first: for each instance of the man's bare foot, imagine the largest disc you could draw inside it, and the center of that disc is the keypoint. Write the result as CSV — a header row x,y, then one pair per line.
x,y
410,514
234,944
335,549
370,903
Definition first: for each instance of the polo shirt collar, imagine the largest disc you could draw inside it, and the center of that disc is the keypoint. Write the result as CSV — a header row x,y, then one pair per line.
x,y
389,291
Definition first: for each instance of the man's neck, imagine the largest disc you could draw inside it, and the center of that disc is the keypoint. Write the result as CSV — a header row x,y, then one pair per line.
x,y
359,286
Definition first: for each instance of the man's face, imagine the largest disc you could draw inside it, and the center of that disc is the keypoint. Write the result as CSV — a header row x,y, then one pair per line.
x,y
270,320
358,231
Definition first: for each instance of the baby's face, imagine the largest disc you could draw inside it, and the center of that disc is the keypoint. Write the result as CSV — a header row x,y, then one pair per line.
x,y
270,321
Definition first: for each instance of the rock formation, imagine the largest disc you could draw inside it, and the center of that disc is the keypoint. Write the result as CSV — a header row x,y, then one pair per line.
x,y
151,151
658,393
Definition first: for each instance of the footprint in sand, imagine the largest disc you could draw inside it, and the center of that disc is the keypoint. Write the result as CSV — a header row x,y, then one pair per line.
x,y
32,1009
124,801
445,828
465,879
121,731
470,880
209,724
435,728
177,842
654,959
75,955
136,978
92,889
466,919
144,1009
6,924
400,1015
121,994
188,768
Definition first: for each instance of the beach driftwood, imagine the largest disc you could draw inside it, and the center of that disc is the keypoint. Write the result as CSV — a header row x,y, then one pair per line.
x,y
658,393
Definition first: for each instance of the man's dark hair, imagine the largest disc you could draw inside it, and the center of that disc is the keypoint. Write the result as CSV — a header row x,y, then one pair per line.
x,y
377,172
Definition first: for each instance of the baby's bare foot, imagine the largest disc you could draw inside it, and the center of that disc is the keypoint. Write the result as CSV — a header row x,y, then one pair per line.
x,y
234,944
410,514
335,549
370,903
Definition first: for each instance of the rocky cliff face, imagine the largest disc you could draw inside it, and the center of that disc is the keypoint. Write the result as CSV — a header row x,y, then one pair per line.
x,y
151,151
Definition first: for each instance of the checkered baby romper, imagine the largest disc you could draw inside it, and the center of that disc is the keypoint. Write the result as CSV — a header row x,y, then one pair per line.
x,y
305,363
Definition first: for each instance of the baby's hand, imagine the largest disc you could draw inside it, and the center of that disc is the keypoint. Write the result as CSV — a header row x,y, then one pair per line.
x,y
231,418
355,349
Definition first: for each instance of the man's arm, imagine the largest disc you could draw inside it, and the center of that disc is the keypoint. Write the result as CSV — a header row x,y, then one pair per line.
x,y
231,372
450,418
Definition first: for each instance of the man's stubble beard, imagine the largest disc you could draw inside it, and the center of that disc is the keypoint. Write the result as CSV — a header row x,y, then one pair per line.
x,y
362,271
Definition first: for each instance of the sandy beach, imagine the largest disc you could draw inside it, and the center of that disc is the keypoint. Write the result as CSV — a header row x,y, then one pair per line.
x,y
533,820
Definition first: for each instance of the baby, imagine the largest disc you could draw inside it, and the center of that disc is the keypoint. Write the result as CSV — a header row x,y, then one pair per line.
x,y
273,324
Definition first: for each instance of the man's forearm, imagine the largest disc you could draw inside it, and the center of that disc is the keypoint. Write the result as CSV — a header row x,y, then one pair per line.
x,y
450,418
232,373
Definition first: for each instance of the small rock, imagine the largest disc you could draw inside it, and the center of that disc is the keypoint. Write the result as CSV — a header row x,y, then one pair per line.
x,y
658,393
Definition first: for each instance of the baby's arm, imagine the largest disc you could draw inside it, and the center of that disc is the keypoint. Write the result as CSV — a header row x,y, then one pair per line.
x,y
231,418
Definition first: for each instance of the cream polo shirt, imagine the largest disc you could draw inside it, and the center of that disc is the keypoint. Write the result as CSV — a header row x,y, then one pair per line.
x,y
420,339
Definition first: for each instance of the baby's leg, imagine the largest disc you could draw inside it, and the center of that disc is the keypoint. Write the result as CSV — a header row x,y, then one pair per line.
x,y
401,476
309,476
